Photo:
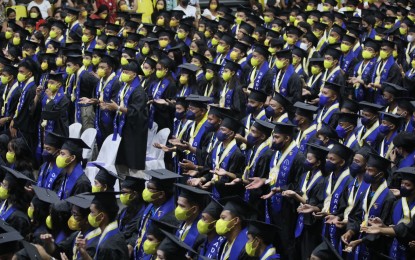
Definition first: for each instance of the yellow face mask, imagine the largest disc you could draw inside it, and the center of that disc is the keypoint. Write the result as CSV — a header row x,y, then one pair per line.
x,y
215,42
49,222
367,54
345,48
234,55
332,40
163,43
205,227
96,60
30,211
73,224
328,64
148,195
44,66
315,70
383,54
4,193
222,226
59,61
182,214
150,247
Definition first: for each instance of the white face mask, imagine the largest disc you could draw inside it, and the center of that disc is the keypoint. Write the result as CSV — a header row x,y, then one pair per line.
x,y
410,38
304,46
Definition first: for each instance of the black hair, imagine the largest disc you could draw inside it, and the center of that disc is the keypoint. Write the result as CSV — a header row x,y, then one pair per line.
x,y
23,155
111,212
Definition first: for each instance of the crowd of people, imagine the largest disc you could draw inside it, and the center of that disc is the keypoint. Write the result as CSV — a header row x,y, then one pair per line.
x,y
291,130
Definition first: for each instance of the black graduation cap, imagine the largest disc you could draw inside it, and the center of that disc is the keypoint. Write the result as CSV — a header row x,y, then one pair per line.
x,y
393,89
224,9
263,126
174,248
335,53
72,10
137,16
56,76
105,176
265,231
46,195
82,200
133,66
178,14
261,49
258,95
320,26
405,103
370,107
293,30
405,140
163,178
228,38
349,38
59,24
74,145
129,51
247,39
98,52
351,105
29,21
135,37
4,60
212,66
319,151
342,151
365,151
75,58
133,183
283,101
106,198
379,162
392,118
284,54
332,86
218,111
299,52
348,117
388,44
156,226
29,251
238,207
115,39
165,32
9,240
249,29
150,62
113,27
231,123
407,173
29,44
14,175
189,68
182,101
231,65
132,24
198,101
304,109
284,128
214,209
10,69
201,57
192,194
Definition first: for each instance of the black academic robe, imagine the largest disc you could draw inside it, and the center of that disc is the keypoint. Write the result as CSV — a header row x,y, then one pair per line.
x,y
294,86
405,233
164,115
82,184
129,228
59,114
286,219
115,247
27,119
311,234
205,86
66,246
133,146
19,221
239,101
13,101
375,243
236,166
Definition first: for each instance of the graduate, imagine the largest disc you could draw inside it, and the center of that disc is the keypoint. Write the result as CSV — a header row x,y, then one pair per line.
x,y
129,216
210,245
232,225
25,117
111,243
313,84
310,194
285,169
49,173
386,70
402,156
106,90
260,240
74,180
172,248
369,131
333,73
225,161
279,109
329,99
402,220
336,186
232,95
15,199
10,97
405,109
159,194
303,118
104,180
256,77
131,118
38,211
346,128
190,203
83,232
389,128
286,81
376,202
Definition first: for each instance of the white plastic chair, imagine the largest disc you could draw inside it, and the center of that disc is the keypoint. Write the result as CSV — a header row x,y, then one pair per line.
x,y
75,130
150,136
155,159
106,157
89,137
